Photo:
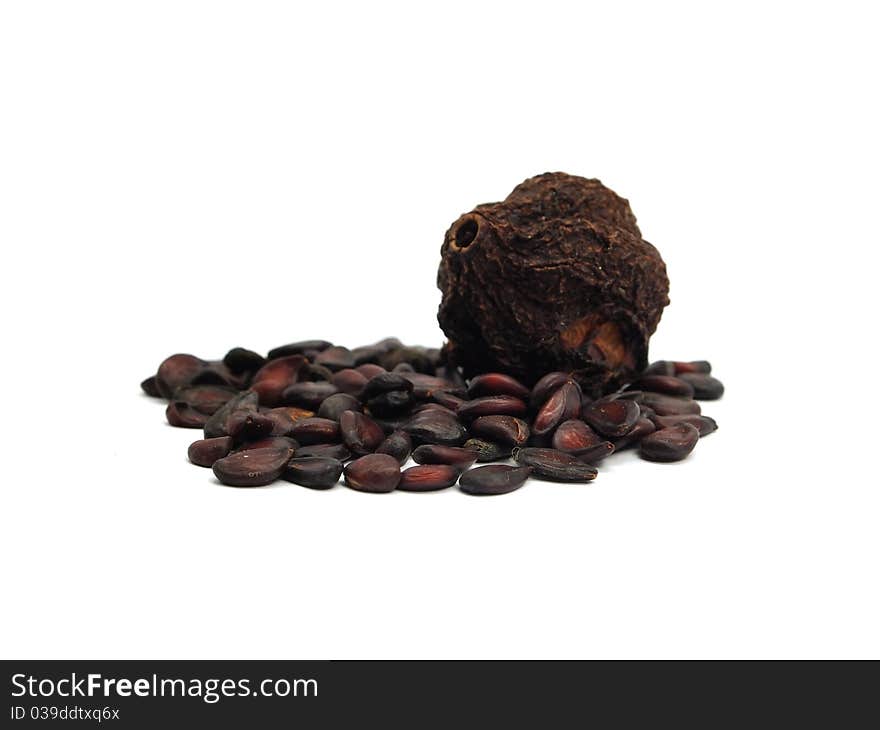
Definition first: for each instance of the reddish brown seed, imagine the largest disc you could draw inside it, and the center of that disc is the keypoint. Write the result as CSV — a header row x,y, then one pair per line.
x,y
270,381
314,472
216,373
428,477
370,370
447,399
150,386
251,468
350,381
643,427
452,455
207,399
308,395
612,418
421,408
360,433
282,423
331,451
497,384
705,386
397,444
545,387
694,366
277,442
436,427
554,465
672,443
668,405
334,406
373,473
425,385
298,348
385,383
575,435
660,367
491,405
594,454
205,452
244,426
487,450
703,424
177,371
493,479
316,431
335,358
506,430
217,425
181,415
666,384
562,405
296,414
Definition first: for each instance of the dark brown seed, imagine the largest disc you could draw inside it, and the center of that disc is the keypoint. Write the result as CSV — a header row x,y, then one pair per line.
x,y
181,415
388,405
436,427
370,370
397,444
239,360
387,344
452,455
491,405
594,454
205,452
177,371
447,399
574,435
385,383
390,425
316,374
336,358
243,426
669,405
660,367
554,465
666,384
672,443
336,404
563,404
316,431
150,386
428,477
425,385
506,430
367,354
294,413
634,395
643,427
207,399
545,387
360,433
271,380
277,442
216,373
703,424
612,418
403,367
493,479
694,366
350,381
487,450
497,384
252,468
705,386
282,423
330,451
415,356
298,348
373,473
314,472
431,407
308,395
218,424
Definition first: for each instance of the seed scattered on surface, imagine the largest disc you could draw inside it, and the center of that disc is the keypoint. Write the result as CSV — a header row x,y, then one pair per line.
x,y
452,455
488,450
331,451
271,380
493,479
251,468
703,424
316,431
428,477
694,366
612,418
643,427
507,430
672,443
563,404
205,452
239,360
314,472
575,435
308,395
705,386
554,465
668,405
667,384
397,444
491,405
497,384
373,473
360,433
436,427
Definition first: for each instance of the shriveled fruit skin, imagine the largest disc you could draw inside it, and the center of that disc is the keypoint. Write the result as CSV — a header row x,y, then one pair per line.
x,y
555,277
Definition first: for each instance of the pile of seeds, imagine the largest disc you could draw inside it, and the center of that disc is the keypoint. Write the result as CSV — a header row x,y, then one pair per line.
x,y
306,409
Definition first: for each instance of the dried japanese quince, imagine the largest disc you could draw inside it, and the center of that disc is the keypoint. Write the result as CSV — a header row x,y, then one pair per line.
x,y
555,277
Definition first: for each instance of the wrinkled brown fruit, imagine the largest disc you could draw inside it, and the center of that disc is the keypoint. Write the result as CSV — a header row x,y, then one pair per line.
x,y
555,277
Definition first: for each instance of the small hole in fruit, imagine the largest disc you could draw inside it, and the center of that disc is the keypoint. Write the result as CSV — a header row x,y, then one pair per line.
x,y
466,233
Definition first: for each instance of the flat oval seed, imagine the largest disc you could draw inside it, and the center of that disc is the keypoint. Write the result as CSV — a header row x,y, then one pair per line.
x,y
370,370
243,426
487,450
176,371
180,414
452,455
545,387
562,405
666,384
298,348
705,386
554,465
594,454
428,477
643,427
497,384
612,418
491,405
331,451
660,367
252,468
350,381
239,360
218,424
385,383
668,405
373,473
501,429
271,380
703,424
308,395
334,406
335,358
575,435
278,442
672,443
316,431
493,479
314,472
397,444
205,452
360,433
436,427
694,366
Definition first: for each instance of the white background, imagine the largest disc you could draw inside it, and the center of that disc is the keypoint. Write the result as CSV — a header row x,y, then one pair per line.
x,y
180,176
